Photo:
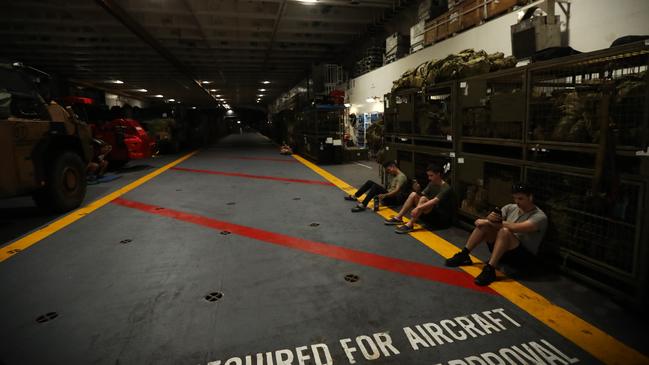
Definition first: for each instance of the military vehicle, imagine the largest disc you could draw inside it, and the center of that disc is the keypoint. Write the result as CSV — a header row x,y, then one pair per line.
x,y
44,149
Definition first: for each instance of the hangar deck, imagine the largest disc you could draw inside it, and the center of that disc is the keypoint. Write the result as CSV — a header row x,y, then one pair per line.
x,y
237,255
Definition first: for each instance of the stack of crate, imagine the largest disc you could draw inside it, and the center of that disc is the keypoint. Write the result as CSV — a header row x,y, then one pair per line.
x,y
464,14
396,46
373,59
417,36
428,11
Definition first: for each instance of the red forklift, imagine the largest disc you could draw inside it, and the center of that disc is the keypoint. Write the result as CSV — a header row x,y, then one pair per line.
x,y
127,137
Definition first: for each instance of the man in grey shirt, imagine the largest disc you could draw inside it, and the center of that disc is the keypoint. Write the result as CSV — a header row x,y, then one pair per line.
x,y
511,233
436,201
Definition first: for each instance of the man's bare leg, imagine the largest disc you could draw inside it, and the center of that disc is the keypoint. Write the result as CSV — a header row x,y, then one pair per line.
x,y
409,204
505,241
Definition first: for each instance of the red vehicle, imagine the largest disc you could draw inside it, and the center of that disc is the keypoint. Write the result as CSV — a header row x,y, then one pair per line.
x,y
127,137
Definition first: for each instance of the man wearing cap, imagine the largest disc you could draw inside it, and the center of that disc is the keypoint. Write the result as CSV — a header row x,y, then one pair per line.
x,y
392,194
512,234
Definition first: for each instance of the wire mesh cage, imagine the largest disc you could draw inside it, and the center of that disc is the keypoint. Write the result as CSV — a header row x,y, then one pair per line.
x,y
587,99
493,106
406,102
422,160
434,114
483,185
600,228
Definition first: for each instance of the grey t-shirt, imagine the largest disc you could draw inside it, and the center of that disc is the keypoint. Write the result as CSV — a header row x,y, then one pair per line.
x,y
397,182
530,240
445,195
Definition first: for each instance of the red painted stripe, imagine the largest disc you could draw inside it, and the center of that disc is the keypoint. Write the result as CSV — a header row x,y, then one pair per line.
x,y
386,263
316,182
259,158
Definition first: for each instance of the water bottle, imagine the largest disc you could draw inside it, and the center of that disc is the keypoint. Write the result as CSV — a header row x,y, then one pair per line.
x,y
376,203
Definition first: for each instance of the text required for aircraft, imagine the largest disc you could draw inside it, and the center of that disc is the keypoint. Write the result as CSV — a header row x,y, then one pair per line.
x,y
421,336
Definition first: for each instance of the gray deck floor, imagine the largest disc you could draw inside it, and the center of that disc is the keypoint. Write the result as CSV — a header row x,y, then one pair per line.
x,y
283,296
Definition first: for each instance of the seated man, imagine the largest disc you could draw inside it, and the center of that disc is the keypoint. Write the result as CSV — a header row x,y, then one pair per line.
x,y
512,235
98,165
285,149
392,195
435,201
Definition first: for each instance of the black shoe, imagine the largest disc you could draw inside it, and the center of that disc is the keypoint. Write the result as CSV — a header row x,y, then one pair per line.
x,y
487,276
350,197
459,259
358,208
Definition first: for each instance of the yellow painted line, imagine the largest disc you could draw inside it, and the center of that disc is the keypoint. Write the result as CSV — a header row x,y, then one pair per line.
x,y
590,338
34,237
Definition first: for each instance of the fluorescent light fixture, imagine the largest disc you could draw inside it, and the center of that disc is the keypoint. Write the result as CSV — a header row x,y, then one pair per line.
x,y
206,82
214,90
260,95
347,105
308,2
262,89
266,82
171,100
142,90
218,95
158,96
116,81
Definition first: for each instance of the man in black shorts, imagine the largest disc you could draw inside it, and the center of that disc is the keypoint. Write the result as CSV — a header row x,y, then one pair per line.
x,y
512,235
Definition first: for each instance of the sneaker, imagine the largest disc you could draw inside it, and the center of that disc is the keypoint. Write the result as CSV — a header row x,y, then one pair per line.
x,y
392,221
459,259
403,229
350,197
487,276
358,208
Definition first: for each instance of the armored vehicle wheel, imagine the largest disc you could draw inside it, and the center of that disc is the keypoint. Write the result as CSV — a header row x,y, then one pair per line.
x,y
65,187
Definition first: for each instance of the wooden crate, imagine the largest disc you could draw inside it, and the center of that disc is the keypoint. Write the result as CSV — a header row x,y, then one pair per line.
x,y
472,13
441,28
430,32
454,24
497,7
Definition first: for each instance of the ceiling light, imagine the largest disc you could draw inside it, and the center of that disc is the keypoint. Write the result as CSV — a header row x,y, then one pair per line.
x,y
193,108
262,89
265,82
218,95
238,122
229,110
214,90
347,105
206,82
308,2
260,95
142,90
158,96
171,100
116,81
